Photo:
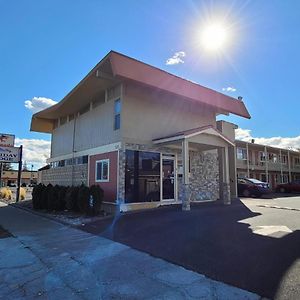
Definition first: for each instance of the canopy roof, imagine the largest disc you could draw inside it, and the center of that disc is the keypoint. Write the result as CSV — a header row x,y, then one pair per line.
x,y
116,67
208,130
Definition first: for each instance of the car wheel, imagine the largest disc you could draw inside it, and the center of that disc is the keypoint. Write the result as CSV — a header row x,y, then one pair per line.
x,y
246,193
282,190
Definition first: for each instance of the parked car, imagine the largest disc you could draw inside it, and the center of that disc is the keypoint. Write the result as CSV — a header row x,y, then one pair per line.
x,y
293,186
248,187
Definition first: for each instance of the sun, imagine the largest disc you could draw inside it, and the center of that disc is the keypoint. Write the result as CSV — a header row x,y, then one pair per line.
x,y
214,37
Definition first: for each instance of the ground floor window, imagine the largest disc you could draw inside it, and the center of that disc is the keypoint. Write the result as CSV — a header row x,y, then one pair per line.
x,y
102,170
142,176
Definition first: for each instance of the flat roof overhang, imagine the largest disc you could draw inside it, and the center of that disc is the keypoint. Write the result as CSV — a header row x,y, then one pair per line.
x,y
116,67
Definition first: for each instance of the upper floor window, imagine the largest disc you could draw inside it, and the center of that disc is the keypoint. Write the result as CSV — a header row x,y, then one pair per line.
x,y
262,156
102,170
284,159
273,157
117,114
241,153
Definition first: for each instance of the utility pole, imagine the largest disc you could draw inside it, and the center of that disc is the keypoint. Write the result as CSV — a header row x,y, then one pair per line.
x,y
1,166
19,174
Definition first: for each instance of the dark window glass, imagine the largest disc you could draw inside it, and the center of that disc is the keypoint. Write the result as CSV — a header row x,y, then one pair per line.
x,y
142,176
85,159
102,170
117,114
117,122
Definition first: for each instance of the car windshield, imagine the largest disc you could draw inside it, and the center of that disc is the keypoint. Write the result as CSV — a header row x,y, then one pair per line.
x,y
255,181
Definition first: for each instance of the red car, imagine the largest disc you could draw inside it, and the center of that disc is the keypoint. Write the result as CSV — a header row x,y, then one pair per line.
x,y
293,186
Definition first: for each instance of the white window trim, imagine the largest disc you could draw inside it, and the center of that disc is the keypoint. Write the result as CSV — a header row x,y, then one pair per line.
x,y
243,150
108,163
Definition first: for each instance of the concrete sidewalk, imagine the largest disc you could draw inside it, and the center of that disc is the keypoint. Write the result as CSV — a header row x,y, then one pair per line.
x,y
48,260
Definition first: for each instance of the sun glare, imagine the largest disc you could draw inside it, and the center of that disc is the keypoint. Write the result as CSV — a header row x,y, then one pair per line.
x,y
214,37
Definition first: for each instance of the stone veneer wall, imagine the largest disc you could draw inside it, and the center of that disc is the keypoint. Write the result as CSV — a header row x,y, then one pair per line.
x,y
204,177
63,175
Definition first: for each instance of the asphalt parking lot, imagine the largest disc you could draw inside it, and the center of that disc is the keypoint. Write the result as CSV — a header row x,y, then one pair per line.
x,y
252,244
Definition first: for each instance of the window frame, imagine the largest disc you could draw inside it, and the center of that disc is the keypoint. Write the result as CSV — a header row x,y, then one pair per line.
x,y
106,160
117,114
241,151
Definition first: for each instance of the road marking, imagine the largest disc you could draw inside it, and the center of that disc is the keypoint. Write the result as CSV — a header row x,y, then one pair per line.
x,y
278,207
269,230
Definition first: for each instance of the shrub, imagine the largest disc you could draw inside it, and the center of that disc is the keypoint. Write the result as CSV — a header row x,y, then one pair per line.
x,y
71,198
22,193
5,193
52,199
37,196
44,198
61,203
83,198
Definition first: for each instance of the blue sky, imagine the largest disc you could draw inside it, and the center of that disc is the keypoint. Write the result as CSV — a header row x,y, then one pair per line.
x,y
47,47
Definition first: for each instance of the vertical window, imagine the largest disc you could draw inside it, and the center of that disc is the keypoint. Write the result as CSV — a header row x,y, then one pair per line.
x,y
102,170
241,153
117,114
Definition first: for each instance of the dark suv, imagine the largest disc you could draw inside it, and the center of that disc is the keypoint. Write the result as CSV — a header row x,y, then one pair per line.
x,y
248,187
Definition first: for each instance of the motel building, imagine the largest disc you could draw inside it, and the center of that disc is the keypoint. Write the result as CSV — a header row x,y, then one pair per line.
x,y
269,164
147,137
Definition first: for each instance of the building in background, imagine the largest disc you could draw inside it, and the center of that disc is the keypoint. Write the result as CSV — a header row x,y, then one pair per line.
x,y
10,178
266,163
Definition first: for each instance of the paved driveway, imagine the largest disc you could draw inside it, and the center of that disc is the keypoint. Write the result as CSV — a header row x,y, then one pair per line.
x,y
253,244
47,260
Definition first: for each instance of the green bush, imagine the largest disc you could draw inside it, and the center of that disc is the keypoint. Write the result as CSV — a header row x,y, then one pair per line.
x,y
79,198
44,196
83,198
52,198
71,198
37,196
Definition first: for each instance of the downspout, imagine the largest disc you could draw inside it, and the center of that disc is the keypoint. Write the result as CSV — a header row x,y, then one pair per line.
x,y
73,148
289,164
267,162
248,166
281,170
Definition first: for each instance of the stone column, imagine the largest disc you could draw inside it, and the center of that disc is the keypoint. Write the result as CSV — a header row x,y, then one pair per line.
x,y
121,179
186,189
224,175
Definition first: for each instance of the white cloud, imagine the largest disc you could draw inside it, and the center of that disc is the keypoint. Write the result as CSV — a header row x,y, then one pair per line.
x,y
38,103
35,151
229,89
292,143
176,59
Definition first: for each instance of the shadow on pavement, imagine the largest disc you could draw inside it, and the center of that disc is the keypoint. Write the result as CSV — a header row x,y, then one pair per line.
x,y
210,240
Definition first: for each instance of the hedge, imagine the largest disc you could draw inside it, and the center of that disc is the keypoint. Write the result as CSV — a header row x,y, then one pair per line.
x,y
86,200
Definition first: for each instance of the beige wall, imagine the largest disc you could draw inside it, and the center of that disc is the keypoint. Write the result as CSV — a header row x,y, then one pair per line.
x,y
93,129
150,115
227,129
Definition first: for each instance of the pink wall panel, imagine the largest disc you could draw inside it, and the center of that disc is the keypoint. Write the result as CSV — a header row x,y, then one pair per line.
x,y
110,188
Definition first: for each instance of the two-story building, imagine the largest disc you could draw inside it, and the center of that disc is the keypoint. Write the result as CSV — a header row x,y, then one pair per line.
x,y
146,136
266,163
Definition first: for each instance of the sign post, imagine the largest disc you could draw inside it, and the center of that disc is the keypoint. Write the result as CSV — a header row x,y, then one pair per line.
x,y
19,173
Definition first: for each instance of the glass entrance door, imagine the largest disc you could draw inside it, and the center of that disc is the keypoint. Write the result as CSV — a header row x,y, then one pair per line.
x,y
168,178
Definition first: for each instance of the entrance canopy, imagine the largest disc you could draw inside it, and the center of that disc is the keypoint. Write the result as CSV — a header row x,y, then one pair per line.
x,y
202,139
206,137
